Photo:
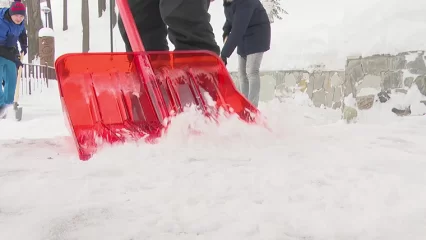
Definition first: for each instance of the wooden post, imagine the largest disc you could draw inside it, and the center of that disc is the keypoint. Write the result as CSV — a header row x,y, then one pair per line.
x,y
47,50
47,47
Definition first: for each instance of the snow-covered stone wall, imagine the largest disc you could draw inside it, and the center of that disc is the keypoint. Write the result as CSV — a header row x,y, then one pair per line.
x,y
364,78
368,77
323,87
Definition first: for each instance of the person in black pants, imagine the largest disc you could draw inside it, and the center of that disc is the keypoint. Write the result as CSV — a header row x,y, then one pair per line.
x,y
186,22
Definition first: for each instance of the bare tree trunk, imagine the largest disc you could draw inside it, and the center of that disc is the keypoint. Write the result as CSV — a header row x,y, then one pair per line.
x,y
65,16
101,7
50,14
33,24
85,23
114,14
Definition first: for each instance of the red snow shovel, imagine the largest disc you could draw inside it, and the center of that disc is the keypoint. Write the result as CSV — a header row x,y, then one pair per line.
x,y
116,97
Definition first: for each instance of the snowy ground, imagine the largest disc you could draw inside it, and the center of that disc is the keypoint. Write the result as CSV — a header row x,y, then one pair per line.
x,y
313,178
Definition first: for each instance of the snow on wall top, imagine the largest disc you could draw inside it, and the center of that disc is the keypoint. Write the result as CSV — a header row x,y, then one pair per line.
x,y
46,32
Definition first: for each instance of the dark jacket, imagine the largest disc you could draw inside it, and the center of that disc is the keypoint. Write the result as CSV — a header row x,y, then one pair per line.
x,y
247,27
10,34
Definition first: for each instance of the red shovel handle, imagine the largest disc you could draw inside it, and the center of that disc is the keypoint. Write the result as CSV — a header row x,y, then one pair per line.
x,y
130,26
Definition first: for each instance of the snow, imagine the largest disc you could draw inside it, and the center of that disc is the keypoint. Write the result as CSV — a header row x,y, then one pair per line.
x,y
310,177
411,56
46,32
368,91
326,32
4,3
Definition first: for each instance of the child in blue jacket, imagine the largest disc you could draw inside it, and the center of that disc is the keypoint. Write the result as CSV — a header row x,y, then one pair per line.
x,y
247,27
12,30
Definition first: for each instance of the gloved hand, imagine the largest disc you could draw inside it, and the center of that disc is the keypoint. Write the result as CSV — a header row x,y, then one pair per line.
x,y
225,61
17,61
18,64
24,50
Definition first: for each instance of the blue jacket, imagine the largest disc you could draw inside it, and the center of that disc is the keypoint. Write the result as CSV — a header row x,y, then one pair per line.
x,y
10,34
247,27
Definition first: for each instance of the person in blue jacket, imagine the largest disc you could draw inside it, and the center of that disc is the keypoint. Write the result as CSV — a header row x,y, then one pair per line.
x,y
248,29
12,30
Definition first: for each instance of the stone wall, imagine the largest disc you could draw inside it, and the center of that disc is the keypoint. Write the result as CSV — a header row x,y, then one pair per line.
x,y
325,88
363,77
369,76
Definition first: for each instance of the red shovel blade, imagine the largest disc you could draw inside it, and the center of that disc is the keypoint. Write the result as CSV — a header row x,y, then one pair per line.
x,y
112,97
198,78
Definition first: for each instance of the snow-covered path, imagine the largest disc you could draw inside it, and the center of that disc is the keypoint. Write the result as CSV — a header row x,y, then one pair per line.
x,y
312,178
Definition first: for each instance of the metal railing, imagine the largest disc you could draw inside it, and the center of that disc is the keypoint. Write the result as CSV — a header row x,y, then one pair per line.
x,y
35,77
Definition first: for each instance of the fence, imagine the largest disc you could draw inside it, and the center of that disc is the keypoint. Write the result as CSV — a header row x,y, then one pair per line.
x,y
35,77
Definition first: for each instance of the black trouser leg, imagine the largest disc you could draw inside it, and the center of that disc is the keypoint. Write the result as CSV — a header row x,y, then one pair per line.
x,y
151,27
189,24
